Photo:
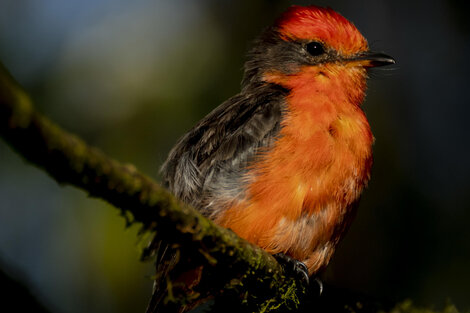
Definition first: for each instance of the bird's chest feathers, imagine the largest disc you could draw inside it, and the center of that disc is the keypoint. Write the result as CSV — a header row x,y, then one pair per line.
x,y
324,149
316,169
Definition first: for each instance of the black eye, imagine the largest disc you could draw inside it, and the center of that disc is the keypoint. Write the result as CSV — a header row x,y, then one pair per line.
x,y
315,48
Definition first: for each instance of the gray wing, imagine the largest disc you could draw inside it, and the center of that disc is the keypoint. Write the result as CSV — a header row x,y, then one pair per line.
x,y
205,167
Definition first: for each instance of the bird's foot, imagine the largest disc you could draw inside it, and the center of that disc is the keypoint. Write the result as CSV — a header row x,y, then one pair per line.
x,y
293,266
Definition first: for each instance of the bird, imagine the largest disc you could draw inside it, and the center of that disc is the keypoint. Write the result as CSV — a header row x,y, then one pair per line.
x,y
283,162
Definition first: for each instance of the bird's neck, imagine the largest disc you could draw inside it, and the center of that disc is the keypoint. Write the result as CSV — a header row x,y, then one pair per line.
x,y
329,98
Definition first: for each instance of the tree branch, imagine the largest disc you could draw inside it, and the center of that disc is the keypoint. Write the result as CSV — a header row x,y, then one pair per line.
x,y
69,160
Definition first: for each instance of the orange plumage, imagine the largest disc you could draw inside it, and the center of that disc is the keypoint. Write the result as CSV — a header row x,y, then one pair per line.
x,y
302,191
284,162
316,169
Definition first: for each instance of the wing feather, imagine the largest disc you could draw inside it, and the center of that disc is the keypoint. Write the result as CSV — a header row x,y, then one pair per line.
x,y
208,163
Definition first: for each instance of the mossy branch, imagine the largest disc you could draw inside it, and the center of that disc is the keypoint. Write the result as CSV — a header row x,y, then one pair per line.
x,y
69,160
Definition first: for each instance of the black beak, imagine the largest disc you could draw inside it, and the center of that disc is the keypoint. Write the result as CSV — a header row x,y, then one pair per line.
x,y
373,59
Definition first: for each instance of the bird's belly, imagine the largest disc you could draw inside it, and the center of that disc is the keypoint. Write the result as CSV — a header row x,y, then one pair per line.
x,y
300,205
312,238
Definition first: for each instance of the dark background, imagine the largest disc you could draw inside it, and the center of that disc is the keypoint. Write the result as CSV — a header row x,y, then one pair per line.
x,y
132,76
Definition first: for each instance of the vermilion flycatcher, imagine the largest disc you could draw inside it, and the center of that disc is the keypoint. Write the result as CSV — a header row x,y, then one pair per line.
x,y
283,163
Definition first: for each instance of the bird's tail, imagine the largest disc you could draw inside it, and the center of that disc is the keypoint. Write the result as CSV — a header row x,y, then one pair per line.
x,y
166,289
165,260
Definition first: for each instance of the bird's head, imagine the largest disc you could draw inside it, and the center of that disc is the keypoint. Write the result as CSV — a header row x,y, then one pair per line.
x,y
310,41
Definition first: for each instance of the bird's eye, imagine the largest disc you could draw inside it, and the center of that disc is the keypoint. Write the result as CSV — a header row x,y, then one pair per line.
x,y
315,48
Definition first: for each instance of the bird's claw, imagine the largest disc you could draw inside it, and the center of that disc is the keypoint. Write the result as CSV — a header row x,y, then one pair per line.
x,y
296,267
320,285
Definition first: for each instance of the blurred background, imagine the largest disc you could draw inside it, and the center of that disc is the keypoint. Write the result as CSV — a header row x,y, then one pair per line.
x,y
130,77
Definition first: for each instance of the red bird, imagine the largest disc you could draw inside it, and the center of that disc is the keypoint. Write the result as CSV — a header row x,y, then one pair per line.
x,y
283,163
